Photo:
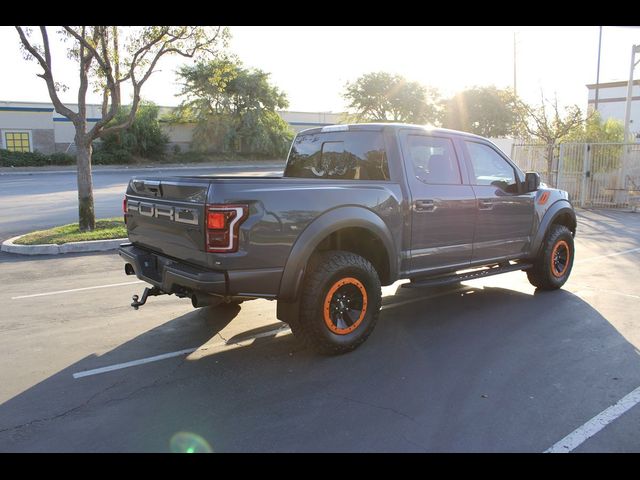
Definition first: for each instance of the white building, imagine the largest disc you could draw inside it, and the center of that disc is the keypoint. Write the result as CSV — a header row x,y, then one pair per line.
x,y
612,98
31,126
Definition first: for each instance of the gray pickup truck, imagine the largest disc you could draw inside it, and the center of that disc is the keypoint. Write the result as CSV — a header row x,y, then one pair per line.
x,y
358,206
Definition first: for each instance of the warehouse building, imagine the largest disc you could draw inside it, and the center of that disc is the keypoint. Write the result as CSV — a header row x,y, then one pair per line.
x,y
31,126
612,101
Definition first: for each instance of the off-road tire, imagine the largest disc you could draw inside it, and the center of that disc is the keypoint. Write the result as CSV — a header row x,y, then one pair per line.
x,y
332,279
549,272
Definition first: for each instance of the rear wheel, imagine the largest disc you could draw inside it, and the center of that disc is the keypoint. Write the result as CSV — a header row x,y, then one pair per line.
x,y
340,303
553,266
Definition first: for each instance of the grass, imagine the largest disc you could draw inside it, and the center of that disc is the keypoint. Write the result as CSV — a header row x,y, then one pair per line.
x,y
105,229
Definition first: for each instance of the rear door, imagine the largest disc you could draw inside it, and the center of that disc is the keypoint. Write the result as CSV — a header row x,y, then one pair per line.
x,y
505,213
443,207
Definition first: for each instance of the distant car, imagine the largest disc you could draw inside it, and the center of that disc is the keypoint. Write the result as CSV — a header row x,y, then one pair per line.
x,y
359,206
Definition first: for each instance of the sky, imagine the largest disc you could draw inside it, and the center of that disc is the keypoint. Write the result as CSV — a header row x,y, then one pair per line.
x,y
313,64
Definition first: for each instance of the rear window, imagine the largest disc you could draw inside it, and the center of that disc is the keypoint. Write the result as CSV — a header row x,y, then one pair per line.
x,y
338,155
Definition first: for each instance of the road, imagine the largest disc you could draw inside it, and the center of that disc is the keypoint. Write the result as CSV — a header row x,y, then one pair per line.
x,y
35,201
489,365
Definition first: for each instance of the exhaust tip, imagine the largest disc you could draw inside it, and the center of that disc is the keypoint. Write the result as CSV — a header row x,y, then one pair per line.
x,y
128,269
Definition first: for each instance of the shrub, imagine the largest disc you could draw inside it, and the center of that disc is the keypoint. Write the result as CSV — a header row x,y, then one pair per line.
x,y
34,159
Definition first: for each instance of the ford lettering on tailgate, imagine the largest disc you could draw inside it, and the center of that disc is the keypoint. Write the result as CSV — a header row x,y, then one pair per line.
x,y
175,214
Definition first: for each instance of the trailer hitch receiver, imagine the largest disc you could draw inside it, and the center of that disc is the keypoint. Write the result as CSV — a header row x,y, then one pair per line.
x,y
148,292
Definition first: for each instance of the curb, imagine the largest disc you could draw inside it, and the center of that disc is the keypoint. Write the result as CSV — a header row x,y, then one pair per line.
x,y
53,249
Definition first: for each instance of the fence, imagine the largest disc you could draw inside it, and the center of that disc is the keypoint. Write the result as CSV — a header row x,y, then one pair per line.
x,y
595,174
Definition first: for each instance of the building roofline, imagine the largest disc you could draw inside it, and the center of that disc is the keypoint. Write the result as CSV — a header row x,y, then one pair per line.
x,y
622,83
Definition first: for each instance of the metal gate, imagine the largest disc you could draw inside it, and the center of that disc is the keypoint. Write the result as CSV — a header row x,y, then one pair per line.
x,y
594,174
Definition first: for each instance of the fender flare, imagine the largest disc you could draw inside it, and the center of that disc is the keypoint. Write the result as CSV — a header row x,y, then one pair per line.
x,y
322,227
560,207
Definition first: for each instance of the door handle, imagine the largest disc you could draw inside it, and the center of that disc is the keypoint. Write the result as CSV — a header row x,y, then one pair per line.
x,y
485,205
424,205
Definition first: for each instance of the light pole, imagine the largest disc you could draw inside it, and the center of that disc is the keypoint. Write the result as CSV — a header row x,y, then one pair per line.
x,y
598,71
627,111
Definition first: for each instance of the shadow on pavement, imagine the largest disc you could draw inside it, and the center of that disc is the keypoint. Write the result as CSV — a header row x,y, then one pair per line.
x,y
487,369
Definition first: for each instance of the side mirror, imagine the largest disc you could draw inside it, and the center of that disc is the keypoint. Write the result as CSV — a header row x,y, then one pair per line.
x,y
531,181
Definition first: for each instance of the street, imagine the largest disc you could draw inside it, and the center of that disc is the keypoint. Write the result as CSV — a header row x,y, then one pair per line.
x,y
35,201
488,365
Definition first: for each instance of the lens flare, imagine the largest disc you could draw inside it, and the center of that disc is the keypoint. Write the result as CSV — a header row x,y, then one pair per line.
x,y
187,442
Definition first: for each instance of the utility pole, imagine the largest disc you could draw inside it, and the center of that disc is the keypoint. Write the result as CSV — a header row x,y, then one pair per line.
x,y
627,111
598,72
515,89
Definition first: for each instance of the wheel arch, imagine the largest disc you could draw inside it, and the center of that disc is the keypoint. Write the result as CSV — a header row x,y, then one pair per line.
x,y
352,228
560,213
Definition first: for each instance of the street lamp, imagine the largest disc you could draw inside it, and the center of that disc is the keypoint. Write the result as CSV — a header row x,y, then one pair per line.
x,y
627,112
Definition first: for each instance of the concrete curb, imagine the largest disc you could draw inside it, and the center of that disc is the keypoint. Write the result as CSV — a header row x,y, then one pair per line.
x,y
52,249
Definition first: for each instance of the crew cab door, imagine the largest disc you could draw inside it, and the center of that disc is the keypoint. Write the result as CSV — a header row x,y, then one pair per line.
x,y
505,213
443,208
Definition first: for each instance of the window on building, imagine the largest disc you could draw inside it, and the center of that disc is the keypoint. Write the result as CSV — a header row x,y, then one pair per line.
x,y
17,141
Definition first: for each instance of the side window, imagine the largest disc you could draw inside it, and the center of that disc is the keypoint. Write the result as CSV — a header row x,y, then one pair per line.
x,y
338,155
489,168
434,160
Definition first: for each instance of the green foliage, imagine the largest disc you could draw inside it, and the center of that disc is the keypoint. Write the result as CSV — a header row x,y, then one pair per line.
x,y
34,159
594,130
144,138
383,97
547,123
486,111
234,108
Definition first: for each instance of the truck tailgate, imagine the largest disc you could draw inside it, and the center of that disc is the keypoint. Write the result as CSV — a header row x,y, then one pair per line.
x,y
167,215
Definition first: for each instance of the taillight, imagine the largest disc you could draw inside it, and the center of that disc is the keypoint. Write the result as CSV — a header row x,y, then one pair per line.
x,y
124,209
223,225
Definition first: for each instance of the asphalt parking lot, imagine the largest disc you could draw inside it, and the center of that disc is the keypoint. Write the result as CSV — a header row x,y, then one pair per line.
x,y
488,365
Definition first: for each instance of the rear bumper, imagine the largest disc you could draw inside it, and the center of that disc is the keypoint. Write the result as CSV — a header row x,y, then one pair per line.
x,y
171,276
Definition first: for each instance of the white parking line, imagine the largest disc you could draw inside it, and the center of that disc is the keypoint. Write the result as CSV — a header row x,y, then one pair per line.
x,y
597,423
75,290
133,363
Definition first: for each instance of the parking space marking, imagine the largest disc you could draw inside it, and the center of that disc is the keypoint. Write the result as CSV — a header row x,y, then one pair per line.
x,y
133,363
597,423
624,252
75,290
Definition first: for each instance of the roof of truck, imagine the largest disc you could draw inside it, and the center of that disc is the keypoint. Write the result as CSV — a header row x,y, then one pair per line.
x,y
377,126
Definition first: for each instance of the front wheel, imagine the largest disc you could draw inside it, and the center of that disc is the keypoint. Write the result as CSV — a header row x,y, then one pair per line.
x,y
553,266
340,303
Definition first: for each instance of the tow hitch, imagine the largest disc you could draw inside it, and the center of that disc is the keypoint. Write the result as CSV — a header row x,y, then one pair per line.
x,y
148,292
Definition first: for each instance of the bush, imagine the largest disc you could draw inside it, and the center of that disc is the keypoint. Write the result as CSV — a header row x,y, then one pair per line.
x,y
144,138
34,159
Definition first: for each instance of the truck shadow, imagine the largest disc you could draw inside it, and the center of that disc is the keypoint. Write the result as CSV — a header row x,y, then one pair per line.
x,y
482,369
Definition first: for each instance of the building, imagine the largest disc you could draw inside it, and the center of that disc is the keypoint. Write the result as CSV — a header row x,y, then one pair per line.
x,y
612,99
31,126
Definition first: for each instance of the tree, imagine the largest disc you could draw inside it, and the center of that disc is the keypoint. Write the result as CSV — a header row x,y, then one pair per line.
x,y
383,97
143,138
109,57
486,111
233,106
594,130
549,127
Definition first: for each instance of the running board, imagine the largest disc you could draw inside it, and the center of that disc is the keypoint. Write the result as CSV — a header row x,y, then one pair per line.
x,y
463,277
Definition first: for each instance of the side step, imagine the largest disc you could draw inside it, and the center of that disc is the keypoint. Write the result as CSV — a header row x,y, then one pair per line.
x,y
462,277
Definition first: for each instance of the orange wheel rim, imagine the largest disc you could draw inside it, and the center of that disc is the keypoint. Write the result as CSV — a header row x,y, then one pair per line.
x,y
560,259
345,306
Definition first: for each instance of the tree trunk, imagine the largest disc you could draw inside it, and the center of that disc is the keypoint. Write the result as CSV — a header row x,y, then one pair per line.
x,y
86,213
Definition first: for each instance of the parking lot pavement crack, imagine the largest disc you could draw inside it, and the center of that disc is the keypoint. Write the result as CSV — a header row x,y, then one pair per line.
x,y
63,414
380,407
